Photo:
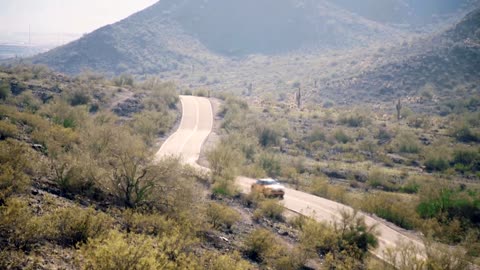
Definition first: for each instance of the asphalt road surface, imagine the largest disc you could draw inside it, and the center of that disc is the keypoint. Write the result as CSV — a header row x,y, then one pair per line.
x,y
196,125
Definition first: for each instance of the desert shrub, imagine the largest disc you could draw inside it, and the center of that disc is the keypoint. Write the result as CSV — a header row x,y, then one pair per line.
x,y
224,187
270,209
379,179
434,163
406,143
131,178
201,93
18,227
270,163
253,198
76,225
316,135
268,136
40,71
348,240
406,255
355,119
260,245
214,261
14,165
223,161
162,96
151,124
28,101
392,208
383,134
445,202
322,188
419,121
79,98
410,186
466,160
61,113
288,259
221,216
124,80
341,137
464,133
150,224
4,90
15,259
439,257
7,130
117,251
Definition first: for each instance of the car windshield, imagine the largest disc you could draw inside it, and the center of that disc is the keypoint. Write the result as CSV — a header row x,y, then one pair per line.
x,y
268,182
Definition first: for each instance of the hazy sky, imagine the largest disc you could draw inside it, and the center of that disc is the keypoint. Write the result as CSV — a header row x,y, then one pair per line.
x,y
65,16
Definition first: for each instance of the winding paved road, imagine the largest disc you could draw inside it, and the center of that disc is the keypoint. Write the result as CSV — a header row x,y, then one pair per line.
x,y
196,125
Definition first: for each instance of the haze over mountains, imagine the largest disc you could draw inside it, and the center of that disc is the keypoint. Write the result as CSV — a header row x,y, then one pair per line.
x,y
191,40
172,33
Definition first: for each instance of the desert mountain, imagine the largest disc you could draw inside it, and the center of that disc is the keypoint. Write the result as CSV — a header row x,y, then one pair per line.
x,y
410,12
445,63
176,34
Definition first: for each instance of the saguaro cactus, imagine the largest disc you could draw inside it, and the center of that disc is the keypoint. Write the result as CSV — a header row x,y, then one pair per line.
x,y
399,109
299,97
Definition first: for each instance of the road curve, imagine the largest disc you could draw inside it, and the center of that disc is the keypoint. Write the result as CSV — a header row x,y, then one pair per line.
x,y
196,125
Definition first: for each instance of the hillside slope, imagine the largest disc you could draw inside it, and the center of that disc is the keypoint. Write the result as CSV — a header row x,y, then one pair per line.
x,y
445,63
174,35
411,12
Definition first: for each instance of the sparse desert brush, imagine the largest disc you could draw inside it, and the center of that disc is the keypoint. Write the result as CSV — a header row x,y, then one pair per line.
x,y
144,223
269,208
215,261
73,225
119,251
18,226
341,136
321,187
350,237
407,143
15,163
221,216
392,207
8,130
261,245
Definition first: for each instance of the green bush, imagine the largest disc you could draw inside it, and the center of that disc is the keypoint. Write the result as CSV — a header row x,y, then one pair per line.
x,y
5,90
76,225
407,143
79,98
270,209
18,226
202,93
356,119
341,136
270,164
14,165
150,224
392,208
466,160
118,251
465,134
260,245
221,216
436,164
214,261
379,179
268,136
7,130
